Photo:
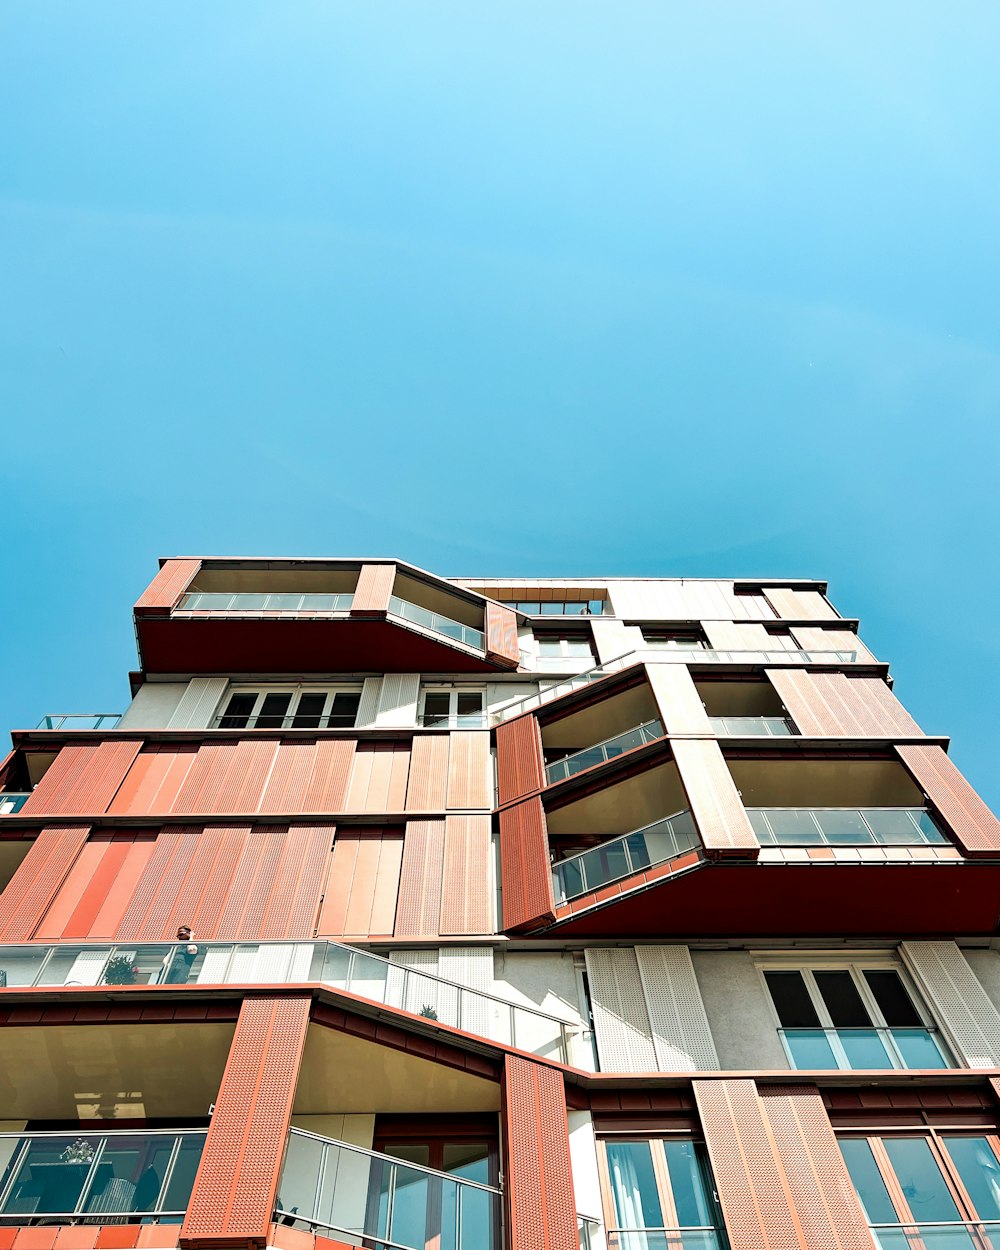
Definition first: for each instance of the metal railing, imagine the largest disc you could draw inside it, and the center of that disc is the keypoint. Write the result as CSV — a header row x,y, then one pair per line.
x,y
12,801
621,857
439,624
561,663
254,601
950,1235
462,720
609,749
845,826
579,681
79,720
752,726
294,720
392,1205
694,1237
871,1047
588,1230
557,607
250,963
94,1178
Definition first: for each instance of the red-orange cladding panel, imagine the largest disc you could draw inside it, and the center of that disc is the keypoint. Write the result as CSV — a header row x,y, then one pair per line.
x,y
83,779
374,589
804,702
289,778
466,906
541,1209
236,1184
968,817
525,872
330,772
427,786
294,902
419,908
155,779
677,699
378,777
520,767
715,802
469,769
152,911
501,636
362,885
36,882
167,586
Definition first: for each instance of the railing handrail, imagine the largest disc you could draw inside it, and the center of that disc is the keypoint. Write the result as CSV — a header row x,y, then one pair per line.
x,y
857,1028
603,846
384,1158
81,1132
394,599
266,594
605,742
78,715
851,807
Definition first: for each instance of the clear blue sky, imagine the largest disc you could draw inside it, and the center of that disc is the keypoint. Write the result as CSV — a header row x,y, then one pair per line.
x,y
582,288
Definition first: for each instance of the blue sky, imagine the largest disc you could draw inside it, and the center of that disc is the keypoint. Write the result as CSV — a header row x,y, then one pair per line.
x,y
579,288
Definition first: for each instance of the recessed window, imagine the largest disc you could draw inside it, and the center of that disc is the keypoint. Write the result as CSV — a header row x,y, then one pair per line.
x,y
673,639
569,648
452,707
295,708
556,607
659,1193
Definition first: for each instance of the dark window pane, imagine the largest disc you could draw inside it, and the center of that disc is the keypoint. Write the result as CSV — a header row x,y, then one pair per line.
x,y
273,711
238,712
868,1181
309,711
470,701
344,711
842,999
791,1000
893,1000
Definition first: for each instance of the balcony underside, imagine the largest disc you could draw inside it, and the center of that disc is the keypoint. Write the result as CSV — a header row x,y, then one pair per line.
x,y
709,899
300,645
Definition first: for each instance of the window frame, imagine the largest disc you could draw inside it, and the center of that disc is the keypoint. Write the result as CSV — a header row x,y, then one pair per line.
x,y
454,718
655,638
563,640
296,690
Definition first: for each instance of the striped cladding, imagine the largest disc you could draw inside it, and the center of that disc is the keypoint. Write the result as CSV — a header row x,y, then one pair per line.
x,y
501,636
526,875
736,636
371,596
520,769
715,802
841,705
236,1185
974,826
82,779
378,777
420,879
466,897
363,884
167,586
469,769
97,889
30,891
799,605
961,1005
540,1203
677,699
815,638
427,788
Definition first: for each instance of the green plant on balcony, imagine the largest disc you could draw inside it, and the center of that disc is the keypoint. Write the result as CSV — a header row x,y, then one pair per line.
x,y
428,1012
80,1151
120,971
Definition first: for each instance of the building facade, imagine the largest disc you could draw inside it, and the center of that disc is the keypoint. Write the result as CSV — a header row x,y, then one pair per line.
x,y
440,914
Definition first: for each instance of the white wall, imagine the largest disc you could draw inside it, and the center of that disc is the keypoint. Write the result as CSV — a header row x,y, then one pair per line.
x,y
154,704
586,1182
739,1014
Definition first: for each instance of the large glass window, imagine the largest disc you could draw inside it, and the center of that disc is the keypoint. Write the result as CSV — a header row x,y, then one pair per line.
x,y
556,607
852,1016
659,1195
452,707
295,707
928,1191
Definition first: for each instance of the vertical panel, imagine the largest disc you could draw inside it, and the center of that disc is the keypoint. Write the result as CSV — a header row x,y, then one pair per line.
x,y
960,1003
83,778
237,1180
397,703
799,605
255,855
167,587
520,767
967,816
804,702
466,894
501,635
471,966
36,882
113,908
621,1017
294,901
677,699
154,780
541,1210
103,880
152,913
328,781
371,597
469,769
613,639
363,885
378,777
198,703
737,636
428,782
682,1038
715,802
288,780
419,909
371,688
74,886
525,871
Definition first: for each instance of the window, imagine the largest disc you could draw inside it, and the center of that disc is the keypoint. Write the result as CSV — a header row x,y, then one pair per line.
x,y
556,607
662,1189
929,1190
673,640
852,1016
564,648
298,707
452,707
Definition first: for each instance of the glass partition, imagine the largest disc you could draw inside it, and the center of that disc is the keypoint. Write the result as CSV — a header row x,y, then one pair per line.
x,y
443,625
621,857
603,751
845,826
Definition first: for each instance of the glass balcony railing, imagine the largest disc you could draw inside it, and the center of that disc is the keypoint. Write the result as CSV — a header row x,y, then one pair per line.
x,y
863,1048
621,857
752,726
845,826
254,602
981,1235
11,802
79,720
439,624
462,720
98,1178
385,1203
694,1238
603,751
251,963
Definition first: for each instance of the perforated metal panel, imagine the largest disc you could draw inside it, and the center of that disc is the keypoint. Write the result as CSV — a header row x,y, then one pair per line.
x,y
815,638
36,882
715,803
427,787
371,689
167,586
469,769
501,636
419,906
82,779
737,636
378,777
520,769
524,866
397,703
959,1001
371,595
471,966
804,702
198,703
618,1005
682,1039
677,699
799,605
970,820
413,993
466,893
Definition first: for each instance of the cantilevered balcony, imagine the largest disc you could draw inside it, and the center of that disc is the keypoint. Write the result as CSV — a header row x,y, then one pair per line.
x,y
752,726
845,826
384,1203
263,603
81,1177
79,720
436,622
619,858
610,749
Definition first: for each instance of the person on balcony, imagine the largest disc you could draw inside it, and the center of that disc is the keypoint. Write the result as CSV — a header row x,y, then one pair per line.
x,y
178,962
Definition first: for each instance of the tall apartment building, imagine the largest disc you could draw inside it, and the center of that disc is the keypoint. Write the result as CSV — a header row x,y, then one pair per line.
x,y
526,915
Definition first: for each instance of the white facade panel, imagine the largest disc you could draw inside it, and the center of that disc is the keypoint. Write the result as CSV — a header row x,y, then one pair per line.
x,y
197,708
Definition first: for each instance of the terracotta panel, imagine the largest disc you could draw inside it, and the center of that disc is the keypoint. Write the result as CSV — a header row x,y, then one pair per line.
x,y
167,587
799,605
371,598
152,913
256,901
294,902
362,885
83,779
155,780
330,772
677,700
419,909
469,769
737,636
813,638
103,880
975,827
378,777
74,886
520,767
237,1180
33,886
715,802
501,636
255,860
466,903
804,702
538,1190
116,901
286,786
525,871
428,782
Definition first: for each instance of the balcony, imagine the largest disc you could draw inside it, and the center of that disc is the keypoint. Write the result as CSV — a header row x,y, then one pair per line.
x,y
752,726
79,720
267,963
952,1235
98,1178
863,1048
11,802
621,857
436,623
702,1237
259,603
845,826
590,757
334,1188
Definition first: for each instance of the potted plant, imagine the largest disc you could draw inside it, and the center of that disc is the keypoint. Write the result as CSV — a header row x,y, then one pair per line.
x,y
428,1011
80,1151
120,971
